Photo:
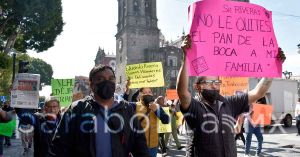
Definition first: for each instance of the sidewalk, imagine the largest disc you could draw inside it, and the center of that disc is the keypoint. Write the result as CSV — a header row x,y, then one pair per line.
x,y
16,149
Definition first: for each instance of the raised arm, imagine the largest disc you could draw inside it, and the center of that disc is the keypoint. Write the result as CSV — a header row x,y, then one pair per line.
x,y
183,78
264,84
260,90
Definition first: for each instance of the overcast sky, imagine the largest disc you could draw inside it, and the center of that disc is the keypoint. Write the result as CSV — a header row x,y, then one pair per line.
x,y
91,24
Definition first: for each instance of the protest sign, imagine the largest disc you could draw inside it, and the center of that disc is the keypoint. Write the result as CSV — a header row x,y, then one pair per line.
x,y
262,114
62,89
164,128
81,87
7,129
232,39
171,94
25,91
145,75
231,85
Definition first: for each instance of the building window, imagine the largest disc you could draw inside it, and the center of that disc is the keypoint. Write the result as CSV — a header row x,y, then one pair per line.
x,y
148,8
172,61
120,79
120,59
124,8
136,8
174,73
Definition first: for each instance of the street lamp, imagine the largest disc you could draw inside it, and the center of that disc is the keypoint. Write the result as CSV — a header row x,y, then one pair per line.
x,y
287,74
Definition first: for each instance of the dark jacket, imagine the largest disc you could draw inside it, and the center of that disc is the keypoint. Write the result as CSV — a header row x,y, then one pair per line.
x,y
43,134
71,141
44,130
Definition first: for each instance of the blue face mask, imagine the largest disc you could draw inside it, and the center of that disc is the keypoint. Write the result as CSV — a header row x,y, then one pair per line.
x,y
105,89
210,95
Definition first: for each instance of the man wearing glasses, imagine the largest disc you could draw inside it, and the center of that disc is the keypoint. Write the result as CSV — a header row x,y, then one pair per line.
x,y
211,116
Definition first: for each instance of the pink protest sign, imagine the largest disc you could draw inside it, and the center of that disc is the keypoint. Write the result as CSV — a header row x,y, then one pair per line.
x,y
232,39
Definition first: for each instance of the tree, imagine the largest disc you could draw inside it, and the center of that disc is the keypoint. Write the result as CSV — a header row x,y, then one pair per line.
x,y
5,73
30,24
38,66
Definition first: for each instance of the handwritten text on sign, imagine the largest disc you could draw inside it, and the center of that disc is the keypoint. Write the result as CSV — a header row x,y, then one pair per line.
x,y
145,75
232,85
232,39
62,89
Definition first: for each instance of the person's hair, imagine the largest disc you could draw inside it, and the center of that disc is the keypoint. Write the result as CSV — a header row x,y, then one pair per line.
x,y
199,79
141,89
134,97
50,100
99,68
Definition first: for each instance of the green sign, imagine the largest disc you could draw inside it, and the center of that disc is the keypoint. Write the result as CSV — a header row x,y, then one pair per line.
x,y
63,90
7,129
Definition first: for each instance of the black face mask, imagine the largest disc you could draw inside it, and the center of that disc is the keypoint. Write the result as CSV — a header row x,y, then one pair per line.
x,y
147,99
105,89
210,95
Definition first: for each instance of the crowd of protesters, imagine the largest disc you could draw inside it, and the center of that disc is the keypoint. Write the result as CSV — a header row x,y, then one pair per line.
x,y
105,124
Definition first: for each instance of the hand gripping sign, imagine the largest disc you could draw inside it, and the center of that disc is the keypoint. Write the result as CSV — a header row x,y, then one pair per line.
x,y
232,39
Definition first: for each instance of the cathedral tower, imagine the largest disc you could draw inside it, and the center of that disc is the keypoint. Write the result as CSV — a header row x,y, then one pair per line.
x,y
137,31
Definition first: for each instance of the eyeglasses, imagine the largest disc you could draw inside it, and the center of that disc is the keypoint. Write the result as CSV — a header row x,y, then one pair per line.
x,y
211,82
52,107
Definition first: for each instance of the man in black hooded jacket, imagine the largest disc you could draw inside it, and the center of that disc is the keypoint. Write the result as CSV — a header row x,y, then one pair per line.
x,y
99,125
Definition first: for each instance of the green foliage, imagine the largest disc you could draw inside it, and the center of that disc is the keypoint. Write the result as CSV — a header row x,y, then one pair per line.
x,y
30,24
5,73
38,66
5,61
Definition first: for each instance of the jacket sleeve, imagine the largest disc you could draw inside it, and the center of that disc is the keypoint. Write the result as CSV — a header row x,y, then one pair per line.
x,y
140,148
161,114
126,97
61,145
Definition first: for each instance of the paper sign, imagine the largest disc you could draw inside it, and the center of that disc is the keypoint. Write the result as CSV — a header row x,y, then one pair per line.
x,y
262,114
172,94
81,87
62,89
232,85
25,92
8,128
164,128
232,39
145,75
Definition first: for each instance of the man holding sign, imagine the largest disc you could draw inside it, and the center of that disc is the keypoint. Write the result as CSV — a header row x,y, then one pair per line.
x,y
212,116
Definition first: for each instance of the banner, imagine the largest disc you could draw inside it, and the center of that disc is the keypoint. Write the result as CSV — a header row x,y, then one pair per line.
x,y
262,114
81,88
233,85
171,94
165,128
232,39
25,91
145,75
8,128
63,90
